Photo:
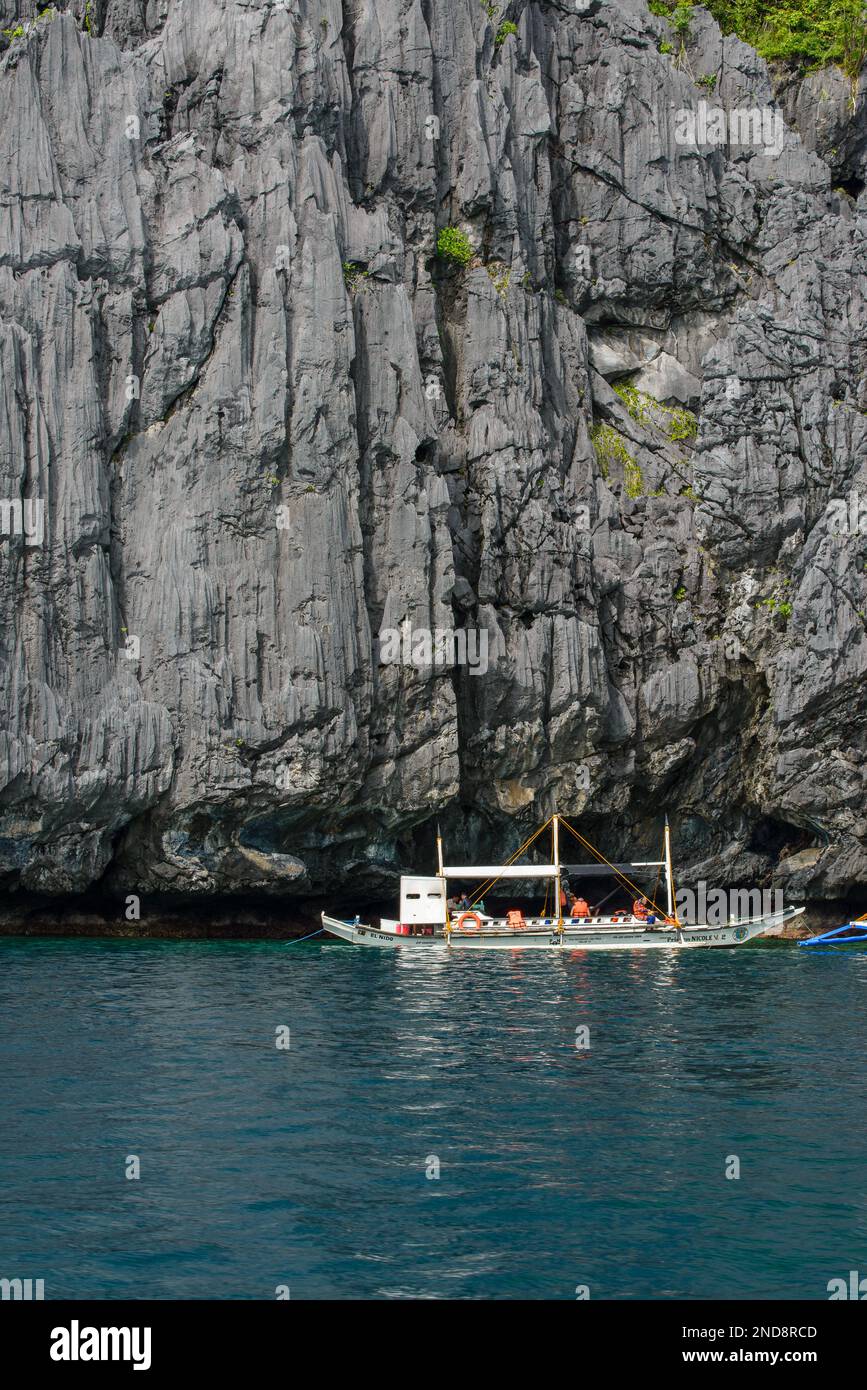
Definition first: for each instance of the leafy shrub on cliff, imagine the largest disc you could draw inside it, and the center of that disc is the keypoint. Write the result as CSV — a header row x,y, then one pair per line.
x,y
633,479
808,32
353,275
637,402
504,32
501,277
454,246
776,605
682,424
678,424
610,448
681,19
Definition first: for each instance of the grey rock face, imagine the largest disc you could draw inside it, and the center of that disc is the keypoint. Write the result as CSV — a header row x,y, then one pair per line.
x,y
268,425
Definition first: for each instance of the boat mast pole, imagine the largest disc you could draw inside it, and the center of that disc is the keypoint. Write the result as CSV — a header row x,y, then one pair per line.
x,y
447,929
669,877
557,867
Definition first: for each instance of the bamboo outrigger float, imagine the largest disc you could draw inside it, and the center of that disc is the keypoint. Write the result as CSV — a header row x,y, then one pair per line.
x,y
429,920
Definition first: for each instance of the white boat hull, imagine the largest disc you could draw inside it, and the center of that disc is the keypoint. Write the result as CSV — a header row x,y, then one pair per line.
x,y
597,937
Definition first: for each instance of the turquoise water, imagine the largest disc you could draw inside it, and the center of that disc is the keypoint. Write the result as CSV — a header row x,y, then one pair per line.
x,y
306,1167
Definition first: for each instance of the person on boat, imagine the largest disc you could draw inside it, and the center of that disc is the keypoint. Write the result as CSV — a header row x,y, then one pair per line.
x,y
463,903
580,908
640,909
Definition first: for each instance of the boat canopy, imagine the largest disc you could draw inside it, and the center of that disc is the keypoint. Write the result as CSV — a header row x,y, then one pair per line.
x,y
500,871
545,870
556,869
605,870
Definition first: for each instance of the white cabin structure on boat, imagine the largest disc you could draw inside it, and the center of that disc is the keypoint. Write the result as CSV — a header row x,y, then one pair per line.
x,y
423,901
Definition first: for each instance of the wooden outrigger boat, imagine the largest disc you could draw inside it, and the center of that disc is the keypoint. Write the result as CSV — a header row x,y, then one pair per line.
x,y
429,920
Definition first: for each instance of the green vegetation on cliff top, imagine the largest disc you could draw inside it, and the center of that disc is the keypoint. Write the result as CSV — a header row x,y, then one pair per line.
x,y
809,32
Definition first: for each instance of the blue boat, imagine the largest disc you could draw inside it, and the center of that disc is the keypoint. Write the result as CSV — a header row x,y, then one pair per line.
x,y
838,936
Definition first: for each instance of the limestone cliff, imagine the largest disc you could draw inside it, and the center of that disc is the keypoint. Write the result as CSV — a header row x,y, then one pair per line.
x,y
266,422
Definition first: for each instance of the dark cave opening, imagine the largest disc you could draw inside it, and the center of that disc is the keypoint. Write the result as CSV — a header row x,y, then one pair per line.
x,y
853,186
776,838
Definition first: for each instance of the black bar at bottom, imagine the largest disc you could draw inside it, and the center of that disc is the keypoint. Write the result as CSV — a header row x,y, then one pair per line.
x,y
165,1338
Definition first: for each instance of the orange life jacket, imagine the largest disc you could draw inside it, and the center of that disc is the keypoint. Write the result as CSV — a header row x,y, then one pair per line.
x,y
580,908
639,910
